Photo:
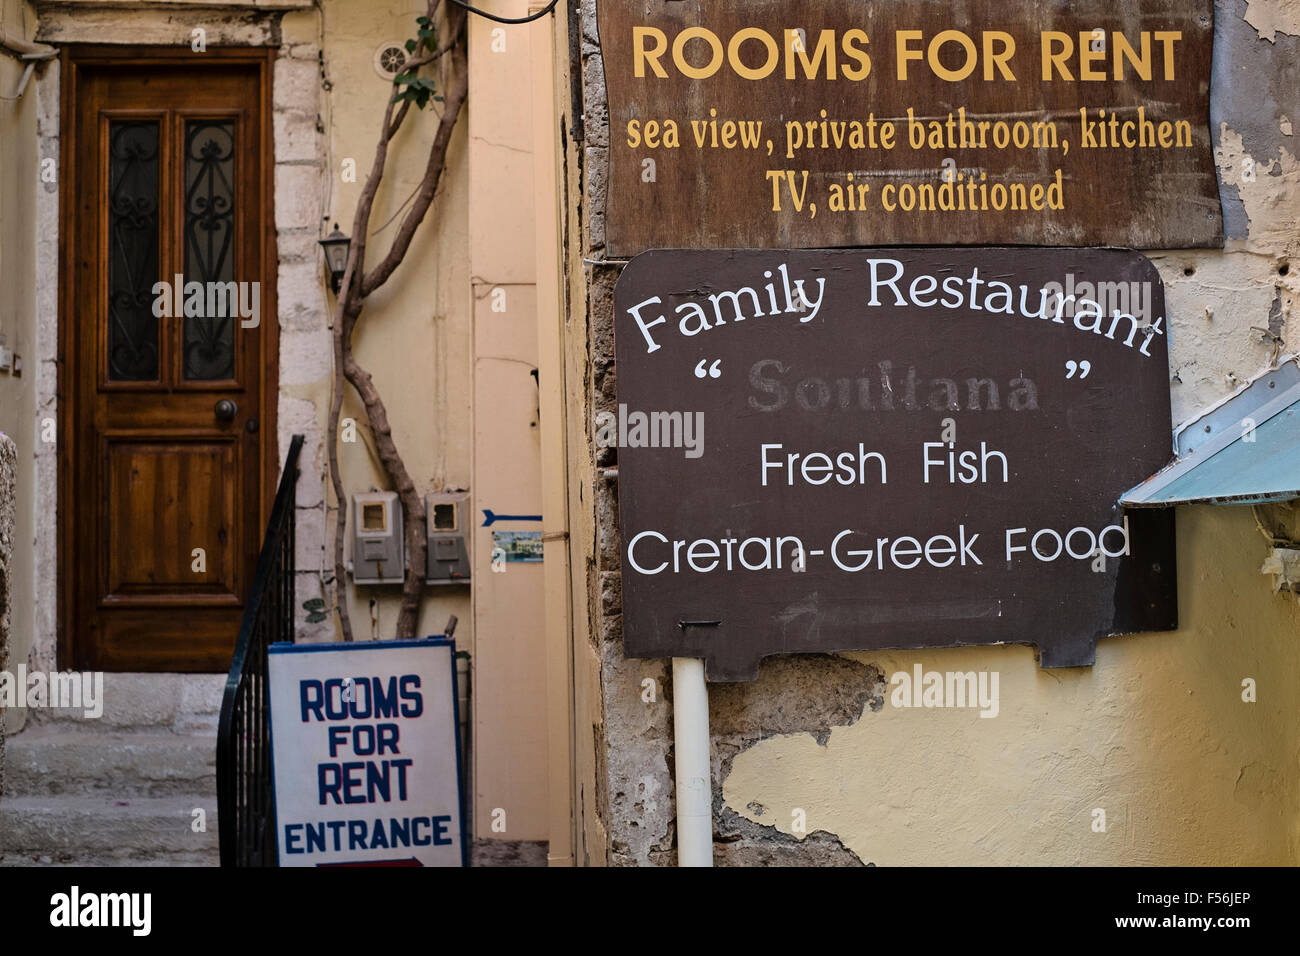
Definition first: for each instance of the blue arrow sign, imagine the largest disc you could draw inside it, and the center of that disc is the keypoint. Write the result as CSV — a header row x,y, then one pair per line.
x,y
489,518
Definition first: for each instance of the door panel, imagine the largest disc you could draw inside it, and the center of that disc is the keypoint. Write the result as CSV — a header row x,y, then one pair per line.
x,y
168,394
182,494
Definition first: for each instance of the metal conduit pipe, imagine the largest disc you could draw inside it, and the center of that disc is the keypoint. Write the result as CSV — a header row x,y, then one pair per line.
x,y
28,53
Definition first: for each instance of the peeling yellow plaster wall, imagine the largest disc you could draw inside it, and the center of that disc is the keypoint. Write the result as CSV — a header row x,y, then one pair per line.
x,y
1269,188
1156,735
1271,17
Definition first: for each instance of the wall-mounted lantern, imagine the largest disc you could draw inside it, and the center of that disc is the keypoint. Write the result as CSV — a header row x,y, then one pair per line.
x,y
336,246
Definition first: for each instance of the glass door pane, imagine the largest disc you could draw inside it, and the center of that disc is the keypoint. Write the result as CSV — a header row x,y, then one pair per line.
x,y
208,342
133,264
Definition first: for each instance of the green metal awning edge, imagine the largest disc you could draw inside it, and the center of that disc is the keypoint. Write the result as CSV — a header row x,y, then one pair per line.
x,y
1233,428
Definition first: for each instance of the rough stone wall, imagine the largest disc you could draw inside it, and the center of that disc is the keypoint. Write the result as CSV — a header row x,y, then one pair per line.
x,y
8,500
1122,734
304,323
800,695
20,311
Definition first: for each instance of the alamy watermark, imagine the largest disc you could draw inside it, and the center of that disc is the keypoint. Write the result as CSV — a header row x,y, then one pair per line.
x,y
651,430
1108,300
213,300
946,689
65,691
74,909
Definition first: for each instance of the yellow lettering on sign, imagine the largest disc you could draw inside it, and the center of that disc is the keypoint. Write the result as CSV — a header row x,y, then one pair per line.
x,y
641,56
1059,48
952,55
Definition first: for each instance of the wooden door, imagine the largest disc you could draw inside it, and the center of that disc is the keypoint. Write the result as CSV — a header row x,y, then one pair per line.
x,y
169,350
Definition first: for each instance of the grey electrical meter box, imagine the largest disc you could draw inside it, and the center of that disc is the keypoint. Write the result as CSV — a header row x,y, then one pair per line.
x,y
378,548
446,515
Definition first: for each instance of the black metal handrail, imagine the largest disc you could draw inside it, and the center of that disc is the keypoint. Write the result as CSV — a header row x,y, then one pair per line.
x,y
245,790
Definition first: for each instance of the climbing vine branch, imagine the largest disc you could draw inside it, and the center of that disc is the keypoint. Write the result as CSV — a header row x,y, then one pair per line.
x,y
410,89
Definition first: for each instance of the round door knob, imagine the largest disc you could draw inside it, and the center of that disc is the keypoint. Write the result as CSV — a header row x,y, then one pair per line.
x,y
225,410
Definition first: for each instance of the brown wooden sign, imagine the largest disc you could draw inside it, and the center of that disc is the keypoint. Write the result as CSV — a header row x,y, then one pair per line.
x,y
865,449
817,123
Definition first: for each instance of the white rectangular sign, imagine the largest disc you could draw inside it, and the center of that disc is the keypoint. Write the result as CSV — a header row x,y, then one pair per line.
x,y
365,756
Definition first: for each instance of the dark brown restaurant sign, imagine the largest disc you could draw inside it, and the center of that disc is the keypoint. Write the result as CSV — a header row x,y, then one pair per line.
x,y
818,123
889,448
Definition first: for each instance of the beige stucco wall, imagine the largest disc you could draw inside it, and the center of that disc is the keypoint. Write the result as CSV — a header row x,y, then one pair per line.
x,y
1157,734
415,333
454,375
19,183
510,787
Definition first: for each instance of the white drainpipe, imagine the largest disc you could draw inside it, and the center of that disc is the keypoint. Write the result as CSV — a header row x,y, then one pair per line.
x,y
691,754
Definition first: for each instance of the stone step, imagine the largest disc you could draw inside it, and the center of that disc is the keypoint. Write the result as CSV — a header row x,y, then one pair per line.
x,y
138,831
83,860
181,703
56,758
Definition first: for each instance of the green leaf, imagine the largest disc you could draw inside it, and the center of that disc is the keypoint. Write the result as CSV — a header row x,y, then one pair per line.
x,y
410,46
315,617
404,77
315,604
